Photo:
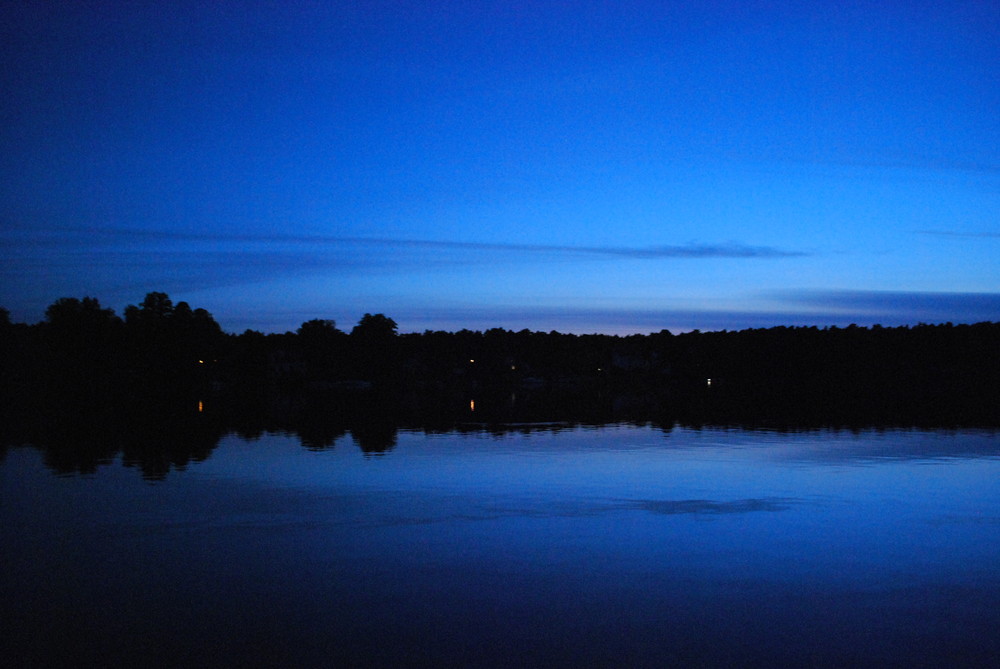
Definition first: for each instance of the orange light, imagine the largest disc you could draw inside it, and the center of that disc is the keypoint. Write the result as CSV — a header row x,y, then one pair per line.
x,y
472,405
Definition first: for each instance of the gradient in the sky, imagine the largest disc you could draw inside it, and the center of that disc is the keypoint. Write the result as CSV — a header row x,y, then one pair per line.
x,y
581,166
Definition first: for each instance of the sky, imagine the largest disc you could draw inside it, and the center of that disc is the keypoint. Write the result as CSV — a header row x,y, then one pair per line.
x,y
613,167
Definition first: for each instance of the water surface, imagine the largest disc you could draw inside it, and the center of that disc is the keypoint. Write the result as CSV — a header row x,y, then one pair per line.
x,y
616,545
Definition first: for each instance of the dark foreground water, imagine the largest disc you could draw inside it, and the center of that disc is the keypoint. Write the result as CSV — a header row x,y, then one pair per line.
x,y
617,546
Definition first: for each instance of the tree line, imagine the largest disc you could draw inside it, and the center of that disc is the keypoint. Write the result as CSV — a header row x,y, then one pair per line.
x,y
82,353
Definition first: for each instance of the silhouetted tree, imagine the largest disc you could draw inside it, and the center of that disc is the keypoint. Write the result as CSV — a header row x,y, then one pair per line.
x,y
155,308
318,329
81,347
80,317
373,340
375,328
20,352
171,348
323,351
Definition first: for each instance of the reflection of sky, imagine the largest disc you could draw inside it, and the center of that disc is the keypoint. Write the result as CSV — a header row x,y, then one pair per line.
x,y
780,484
794,493
735,542
592,454
599,167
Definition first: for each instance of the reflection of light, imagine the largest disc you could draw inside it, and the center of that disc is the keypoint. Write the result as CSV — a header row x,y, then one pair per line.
x,y
472,405
201,406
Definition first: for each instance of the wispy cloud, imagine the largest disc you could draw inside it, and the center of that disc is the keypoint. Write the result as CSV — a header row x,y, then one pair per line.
x,y
893,305
728,250
885,299
691,250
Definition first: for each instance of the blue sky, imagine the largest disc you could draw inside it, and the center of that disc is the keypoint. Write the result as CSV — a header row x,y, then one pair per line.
x,y
580,166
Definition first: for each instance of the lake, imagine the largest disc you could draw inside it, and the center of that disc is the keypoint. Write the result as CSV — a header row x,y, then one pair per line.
x,y
621,545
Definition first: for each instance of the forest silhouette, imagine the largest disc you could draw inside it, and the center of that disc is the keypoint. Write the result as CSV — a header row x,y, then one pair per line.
x,y
83,358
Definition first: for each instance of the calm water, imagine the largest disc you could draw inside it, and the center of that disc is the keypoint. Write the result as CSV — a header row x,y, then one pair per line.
x,y
611,546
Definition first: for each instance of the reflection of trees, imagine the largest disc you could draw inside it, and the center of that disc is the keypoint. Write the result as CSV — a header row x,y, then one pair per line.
x,y
65,453
71,441
157,448
157,438
317,436
79,440
375,438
